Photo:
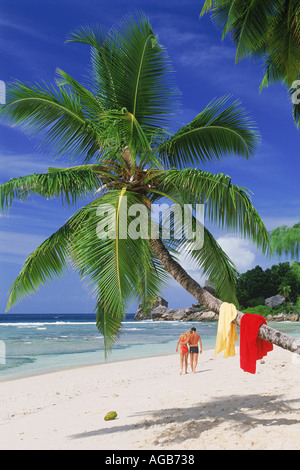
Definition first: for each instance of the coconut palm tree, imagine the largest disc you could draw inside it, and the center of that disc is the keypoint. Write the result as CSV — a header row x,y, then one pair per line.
x,y
285,240
115,133
269,29
285,291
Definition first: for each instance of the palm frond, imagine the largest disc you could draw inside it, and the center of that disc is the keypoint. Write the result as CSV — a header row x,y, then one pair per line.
x,y
247,21
227,205
55,116
104,62
214,133
284,37
286,241
90,104
131,71
128,129
68,184
215,264
250,28
267,29
203,250
151,93
47,262
109,263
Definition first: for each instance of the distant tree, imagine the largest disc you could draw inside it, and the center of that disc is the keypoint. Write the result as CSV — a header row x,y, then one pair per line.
x,y
285,291
291,282
285,240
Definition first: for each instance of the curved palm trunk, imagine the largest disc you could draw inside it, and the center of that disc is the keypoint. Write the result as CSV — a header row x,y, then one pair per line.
x,y
204,297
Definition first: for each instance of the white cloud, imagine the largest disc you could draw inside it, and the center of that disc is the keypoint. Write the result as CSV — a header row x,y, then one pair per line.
x,y
240,251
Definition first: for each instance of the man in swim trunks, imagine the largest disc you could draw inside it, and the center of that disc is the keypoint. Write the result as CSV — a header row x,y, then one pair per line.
x,y
193,341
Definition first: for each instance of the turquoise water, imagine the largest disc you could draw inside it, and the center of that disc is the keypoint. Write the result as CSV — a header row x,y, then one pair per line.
x,y
36,344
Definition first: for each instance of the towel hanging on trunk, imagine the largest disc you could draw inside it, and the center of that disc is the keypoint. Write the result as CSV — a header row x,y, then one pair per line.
x,y
227,331
252,348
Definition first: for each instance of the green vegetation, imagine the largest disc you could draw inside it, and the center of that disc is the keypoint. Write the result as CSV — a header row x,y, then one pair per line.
x,y
255,285
266,29
285,240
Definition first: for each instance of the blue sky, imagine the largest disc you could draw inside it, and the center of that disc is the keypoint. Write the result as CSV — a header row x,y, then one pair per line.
x,y
32,46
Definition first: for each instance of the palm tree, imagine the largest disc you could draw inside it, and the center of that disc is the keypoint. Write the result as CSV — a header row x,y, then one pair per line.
x,y
285,291
269,29
286,240
116,136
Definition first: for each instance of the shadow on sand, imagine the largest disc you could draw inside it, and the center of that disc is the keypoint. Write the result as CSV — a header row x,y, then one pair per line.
x,y
180,424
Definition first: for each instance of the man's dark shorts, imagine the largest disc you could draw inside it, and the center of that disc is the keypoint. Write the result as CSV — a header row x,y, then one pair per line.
x,y
194,350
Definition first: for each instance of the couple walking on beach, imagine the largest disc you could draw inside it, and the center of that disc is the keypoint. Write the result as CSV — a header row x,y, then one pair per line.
x,y
191,339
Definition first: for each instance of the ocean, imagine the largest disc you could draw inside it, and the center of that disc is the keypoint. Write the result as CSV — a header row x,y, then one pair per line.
x,y
32,344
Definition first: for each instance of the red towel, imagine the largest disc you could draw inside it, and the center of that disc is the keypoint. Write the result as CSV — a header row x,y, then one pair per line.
x,y
252,348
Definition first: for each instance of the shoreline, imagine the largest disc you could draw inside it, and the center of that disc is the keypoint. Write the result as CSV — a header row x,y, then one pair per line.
x,y
70,368
12,374
219,407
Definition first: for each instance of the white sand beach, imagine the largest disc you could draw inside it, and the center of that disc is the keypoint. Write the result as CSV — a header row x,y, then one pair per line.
x,y
218,407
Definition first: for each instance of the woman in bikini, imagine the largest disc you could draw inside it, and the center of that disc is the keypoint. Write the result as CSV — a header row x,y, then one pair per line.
x,y
184,350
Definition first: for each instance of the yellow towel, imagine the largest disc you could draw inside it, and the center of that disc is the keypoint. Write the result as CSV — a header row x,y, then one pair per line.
x,y
227,331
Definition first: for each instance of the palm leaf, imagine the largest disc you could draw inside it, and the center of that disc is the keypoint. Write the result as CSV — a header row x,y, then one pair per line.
x,y
49,260
286,241
267,29
90,104
68,184
250,29
212,134
211,260
55,116
226,205
146,89
151,94
284,37
104,59
215,264
109,265
246,20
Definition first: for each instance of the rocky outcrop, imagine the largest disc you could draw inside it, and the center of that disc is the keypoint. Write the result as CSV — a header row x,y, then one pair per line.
x,y
197,312
274,300
159,307
194,313
161,312
283,317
